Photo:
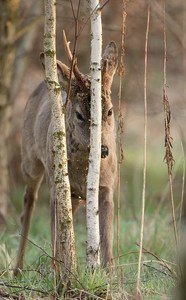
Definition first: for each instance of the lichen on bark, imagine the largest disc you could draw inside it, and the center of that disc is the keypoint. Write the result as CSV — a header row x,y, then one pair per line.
x,y
65,235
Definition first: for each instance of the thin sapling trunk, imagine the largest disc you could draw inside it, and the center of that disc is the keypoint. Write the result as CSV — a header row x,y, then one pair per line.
x,y
93,237
64,248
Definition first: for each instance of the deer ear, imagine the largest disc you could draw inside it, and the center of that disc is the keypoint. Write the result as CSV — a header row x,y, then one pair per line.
x,y
109,64
62,70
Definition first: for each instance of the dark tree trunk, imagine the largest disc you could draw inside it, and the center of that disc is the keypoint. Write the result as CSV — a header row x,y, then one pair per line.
x,y
13,62
8,11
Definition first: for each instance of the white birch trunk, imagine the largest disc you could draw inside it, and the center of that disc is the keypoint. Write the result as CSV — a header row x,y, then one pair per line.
x,y
65,233
93,236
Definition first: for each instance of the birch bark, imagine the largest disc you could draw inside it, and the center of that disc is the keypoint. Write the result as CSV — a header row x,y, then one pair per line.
x,y
65,234
93,237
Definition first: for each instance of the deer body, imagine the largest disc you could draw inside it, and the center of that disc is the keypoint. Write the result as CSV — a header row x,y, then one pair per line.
x,y
37,157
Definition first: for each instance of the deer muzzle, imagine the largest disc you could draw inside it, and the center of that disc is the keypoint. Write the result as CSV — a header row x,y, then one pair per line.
x,y
104,151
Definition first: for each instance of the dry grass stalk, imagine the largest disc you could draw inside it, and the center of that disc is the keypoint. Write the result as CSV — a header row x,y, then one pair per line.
x,y
168,139
121,73
145,155
183,186
169,157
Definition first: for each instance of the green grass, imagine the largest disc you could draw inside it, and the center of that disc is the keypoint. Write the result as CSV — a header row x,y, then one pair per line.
x,y
157,282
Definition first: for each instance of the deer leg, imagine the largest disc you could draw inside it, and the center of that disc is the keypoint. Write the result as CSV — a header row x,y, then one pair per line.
x,y
106,216
30,196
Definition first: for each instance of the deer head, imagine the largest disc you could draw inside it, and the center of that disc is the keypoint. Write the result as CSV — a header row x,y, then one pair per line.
x,y
78,106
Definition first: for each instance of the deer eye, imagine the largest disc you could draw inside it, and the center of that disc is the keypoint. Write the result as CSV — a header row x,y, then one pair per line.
x,y
79,116
110,112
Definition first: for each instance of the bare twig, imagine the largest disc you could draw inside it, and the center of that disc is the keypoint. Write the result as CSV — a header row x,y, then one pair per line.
x,y
103,5
145,154
76,35
100,7
156,269
164,264
23,287
54,259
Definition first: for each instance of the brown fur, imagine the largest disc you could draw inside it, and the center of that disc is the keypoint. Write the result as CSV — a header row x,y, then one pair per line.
x,y
37,157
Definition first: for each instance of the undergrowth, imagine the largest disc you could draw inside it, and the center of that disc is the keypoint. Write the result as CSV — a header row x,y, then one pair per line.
x,y
159,266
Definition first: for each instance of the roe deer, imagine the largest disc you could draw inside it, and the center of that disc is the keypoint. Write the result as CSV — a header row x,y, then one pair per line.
x,y
37,156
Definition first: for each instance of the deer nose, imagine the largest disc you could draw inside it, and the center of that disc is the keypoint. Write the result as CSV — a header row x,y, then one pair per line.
x,y
104,151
